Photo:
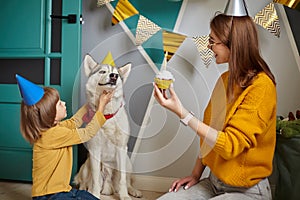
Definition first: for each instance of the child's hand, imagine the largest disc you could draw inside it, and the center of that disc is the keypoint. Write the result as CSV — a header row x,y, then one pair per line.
x,y
105,97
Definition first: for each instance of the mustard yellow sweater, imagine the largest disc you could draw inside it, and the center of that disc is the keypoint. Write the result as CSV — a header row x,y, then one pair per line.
x,y
52,153
243,153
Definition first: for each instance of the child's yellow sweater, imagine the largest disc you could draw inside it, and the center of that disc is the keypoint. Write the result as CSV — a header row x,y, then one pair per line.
x,y
52,153
243,153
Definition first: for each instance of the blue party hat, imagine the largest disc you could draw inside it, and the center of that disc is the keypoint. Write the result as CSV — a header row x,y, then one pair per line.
x,y
30,92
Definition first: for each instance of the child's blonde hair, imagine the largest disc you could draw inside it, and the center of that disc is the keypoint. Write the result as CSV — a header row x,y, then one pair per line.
x,y
40,116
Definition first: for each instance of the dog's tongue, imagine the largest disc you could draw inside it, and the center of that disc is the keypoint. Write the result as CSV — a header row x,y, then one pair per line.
x,y
88,116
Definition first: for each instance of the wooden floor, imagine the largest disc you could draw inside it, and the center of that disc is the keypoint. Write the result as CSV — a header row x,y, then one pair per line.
x,y
10,190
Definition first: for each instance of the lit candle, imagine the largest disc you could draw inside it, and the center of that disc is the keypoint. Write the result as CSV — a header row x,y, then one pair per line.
x,y
164,64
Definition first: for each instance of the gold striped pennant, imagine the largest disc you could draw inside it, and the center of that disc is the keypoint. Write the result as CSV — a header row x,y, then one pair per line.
x,y
124,9
145,29
171,42
206,54
268,19
294,4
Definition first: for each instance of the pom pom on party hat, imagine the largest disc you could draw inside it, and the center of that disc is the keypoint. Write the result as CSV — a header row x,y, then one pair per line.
x,y
30,92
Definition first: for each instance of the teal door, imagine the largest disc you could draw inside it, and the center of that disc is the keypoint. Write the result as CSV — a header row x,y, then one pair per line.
x,y
44,49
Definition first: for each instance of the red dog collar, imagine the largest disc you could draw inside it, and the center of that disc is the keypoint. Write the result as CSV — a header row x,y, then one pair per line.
x,y
90,114
108,116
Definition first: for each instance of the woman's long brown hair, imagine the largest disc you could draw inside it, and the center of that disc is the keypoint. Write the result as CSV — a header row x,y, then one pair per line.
x,y
239,34
40,116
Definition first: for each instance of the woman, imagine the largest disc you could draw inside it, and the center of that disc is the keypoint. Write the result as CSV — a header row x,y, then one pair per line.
x,y
237,135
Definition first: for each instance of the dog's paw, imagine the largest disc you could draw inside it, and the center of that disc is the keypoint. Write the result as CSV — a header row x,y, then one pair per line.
x,y
107,189
134,192
125,197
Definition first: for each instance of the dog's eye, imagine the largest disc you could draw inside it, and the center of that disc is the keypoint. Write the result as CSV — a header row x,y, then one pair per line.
x,y
102,72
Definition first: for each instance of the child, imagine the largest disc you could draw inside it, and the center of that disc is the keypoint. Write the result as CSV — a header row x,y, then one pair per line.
x,y
52,139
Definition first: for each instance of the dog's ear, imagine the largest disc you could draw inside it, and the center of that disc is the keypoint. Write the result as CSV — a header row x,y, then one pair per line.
x,y
88,63
124,71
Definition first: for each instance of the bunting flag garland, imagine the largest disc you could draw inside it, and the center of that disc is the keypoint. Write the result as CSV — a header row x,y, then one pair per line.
x,y
205,53
123,10
294,4
171,42
268,19
145,29
103,2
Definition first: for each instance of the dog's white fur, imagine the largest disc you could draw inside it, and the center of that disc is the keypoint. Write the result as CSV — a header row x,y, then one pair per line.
x,y
107,168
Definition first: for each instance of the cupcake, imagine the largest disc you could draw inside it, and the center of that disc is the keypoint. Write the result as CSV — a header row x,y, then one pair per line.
x,y
164,79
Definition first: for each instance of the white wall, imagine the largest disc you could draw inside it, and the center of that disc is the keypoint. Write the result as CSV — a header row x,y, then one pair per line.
x,y
167,148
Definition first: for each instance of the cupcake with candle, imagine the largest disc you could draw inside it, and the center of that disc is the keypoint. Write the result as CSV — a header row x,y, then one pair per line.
x,y
164,78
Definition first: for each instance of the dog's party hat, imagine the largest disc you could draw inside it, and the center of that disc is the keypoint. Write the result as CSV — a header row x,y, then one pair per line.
x,y
30,92
236,8
109,60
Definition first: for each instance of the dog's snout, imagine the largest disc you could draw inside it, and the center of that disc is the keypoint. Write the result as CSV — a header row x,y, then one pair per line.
x,y
113,76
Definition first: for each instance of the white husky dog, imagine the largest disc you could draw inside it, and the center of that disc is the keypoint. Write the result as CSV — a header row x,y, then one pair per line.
x,y
107,168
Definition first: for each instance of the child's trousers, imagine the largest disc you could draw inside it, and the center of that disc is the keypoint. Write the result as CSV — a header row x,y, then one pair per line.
x,y
72,195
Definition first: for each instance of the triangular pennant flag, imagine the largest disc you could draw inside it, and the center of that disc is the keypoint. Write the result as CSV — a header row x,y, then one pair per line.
x,y
172,42
109,60
145,29
294,4
205,53
268,19
124,9
103,2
